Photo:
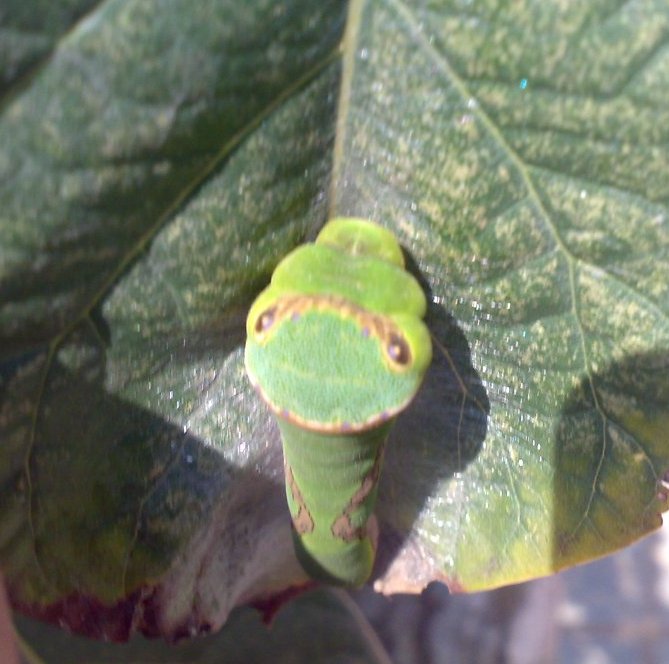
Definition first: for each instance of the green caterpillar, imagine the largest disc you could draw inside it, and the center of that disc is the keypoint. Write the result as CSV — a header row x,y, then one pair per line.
x,y
337,347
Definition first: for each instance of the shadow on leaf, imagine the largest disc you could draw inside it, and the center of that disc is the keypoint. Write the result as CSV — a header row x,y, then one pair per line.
x,y
612,454
113,518
436,438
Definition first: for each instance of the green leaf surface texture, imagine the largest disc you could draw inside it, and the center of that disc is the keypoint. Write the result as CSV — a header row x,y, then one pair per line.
x,y
155,166
524,167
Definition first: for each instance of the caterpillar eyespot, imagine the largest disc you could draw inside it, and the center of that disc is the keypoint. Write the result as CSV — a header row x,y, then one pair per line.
x,y
398,350
265,320
337,348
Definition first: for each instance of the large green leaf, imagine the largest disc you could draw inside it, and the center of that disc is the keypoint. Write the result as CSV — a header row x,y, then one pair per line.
x,y
546,187
157,166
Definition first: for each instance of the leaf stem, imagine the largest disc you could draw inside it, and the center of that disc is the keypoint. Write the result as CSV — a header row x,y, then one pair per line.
x,y
348,66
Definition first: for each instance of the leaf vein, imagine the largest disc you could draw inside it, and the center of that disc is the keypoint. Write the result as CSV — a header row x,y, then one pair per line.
x,y
525,174
29,460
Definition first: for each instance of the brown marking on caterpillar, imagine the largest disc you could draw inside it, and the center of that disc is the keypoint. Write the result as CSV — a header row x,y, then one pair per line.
x,y
342,528
302,521
397,352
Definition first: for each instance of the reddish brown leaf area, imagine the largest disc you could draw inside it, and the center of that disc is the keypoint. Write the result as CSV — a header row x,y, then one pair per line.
x,y
87,616
270,607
